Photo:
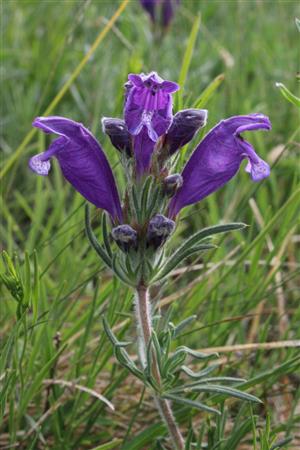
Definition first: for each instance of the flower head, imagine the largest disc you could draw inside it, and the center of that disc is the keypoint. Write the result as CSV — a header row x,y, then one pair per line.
x,y
82,161
217,159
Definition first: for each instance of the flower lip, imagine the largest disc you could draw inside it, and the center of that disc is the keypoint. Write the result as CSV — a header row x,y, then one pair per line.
x,y
153,82
250,122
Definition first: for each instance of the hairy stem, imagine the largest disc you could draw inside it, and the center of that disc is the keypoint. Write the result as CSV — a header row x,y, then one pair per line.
x,y
143,315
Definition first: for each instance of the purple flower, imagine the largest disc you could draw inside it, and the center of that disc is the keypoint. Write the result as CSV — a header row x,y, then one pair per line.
x,y
82,162
149,104
217,159
147,113
160,10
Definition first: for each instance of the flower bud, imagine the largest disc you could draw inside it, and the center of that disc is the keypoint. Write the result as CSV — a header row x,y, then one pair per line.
x,y
184,127
125,237
118,133
159,229
172,183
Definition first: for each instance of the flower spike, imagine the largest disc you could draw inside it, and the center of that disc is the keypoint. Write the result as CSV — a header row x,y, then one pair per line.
x,y
217,159
82,161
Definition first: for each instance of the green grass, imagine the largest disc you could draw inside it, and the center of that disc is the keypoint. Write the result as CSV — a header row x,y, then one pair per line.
x,y
247,290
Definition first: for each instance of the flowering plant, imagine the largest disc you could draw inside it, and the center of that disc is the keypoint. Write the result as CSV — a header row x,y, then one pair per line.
x,y
148,140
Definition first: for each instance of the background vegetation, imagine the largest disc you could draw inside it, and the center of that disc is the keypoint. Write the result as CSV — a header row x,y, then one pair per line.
x,y
244,293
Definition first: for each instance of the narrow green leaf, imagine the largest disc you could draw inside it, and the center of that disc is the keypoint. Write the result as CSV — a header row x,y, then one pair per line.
x,y
289,366
119,271
173,363
192,403
108,445
281,443
238,434
182,325
9,264
33,389
145,195
218,389
187,58
210,231
136,204
93,240
177,258
208,91
105,235
27,280
35,287
201,373
219,379
195,354
288,95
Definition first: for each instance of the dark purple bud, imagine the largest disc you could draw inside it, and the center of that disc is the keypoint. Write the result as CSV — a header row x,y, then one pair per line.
x,y
125,237
118,133
160,10
172,183
168,10
185,125
149,6
159,229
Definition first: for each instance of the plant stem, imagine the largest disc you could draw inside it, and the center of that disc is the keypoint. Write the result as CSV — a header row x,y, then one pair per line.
x,y
143,315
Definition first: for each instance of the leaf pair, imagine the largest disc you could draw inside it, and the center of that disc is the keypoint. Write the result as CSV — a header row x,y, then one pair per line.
x,y
193,245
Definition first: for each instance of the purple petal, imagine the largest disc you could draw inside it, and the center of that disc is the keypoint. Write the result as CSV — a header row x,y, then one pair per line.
x,y
143,149
148,104
217,159
170,86
256,166
82,162
40,164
